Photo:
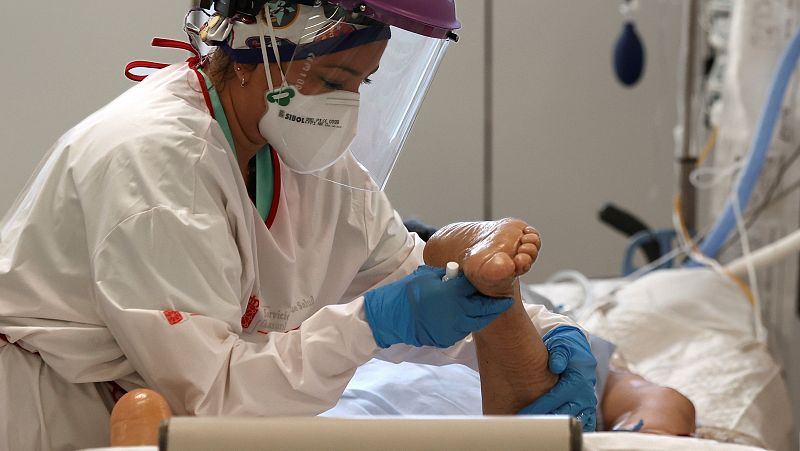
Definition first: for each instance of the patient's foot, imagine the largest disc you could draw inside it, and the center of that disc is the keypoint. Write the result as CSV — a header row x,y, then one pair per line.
x,y
508,250
492,253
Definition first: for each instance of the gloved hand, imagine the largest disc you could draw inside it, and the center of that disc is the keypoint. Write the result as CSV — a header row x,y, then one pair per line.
x,y
571,358
422,310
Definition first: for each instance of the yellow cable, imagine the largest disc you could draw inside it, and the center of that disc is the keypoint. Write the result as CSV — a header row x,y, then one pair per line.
x,y
711,144
742,286
676,206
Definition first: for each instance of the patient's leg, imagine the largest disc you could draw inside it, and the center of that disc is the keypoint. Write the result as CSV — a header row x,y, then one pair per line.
x,y
512,361
511,356
629,398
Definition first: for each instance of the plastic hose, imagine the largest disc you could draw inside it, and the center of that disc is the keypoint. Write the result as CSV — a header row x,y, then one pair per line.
x,y
757,155
768,255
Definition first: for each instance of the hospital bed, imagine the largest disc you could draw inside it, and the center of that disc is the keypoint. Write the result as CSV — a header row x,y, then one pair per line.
x,y
693,330
689,329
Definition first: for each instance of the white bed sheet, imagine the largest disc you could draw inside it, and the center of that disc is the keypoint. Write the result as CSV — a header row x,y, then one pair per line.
x,y
408,389
692,330
686,329
617,441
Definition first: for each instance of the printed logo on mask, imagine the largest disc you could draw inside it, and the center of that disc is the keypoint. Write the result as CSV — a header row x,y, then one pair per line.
x,y
318,121
281,96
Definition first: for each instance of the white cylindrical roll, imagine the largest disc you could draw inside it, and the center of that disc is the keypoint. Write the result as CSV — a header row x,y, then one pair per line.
x,y
530,433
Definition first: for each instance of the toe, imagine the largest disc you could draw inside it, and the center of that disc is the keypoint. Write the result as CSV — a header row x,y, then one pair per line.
x,y
522,263
529,249
531,238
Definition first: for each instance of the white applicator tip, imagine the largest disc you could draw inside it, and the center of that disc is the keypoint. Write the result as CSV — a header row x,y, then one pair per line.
x,y
451,271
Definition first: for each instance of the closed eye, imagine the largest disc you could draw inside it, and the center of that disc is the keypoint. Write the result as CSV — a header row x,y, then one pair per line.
x,y
340,87
333,85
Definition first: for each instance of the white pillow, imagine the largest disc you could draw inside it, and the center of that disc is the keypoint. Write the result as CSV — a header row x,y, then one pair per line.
x,y
692,330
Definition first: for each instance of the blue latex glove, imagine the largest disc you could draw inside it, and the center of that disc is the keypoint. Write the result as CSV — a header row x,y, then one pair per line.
x,y
571,358
422,310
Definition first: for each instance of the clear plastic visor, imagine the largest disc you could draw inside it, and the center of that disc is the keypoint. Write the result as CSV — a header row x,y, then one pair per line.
x,y
356,92
390,103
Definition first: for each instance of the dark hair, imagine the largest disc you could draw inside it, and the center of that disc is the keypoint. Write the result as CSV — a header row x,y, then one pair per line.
x,y
219,67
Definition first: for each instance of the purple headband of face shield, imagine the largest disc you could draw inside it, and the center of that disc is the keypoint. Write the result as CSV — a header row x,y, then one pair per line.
x,y
432,18
289,51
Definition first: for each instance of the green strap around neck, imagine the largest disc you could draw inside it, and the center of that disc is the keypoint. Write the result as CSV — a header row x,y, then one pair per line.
x,y
265,177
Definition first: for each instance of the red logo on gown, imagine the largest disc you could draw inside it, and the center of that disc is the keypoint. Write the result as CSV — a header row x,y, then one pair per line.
x,y
250,313
173,316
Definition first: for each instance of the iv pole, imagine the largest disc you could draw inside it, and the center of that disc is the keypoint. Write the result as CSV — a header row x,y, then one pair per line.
x,y
685,158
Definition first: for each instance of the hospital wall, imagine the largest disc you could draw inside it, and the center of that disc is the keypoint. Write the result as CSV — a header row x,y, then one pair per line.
x,y
564,137
63,61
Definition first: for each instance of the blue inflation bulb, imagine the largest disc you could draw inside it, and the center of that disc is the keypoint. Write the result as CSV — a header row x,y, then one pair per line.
x,y
629,56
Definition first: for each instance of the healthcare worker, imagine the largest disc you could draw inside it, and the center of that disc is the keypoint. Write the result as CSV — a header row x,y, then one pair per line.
x,y
162,243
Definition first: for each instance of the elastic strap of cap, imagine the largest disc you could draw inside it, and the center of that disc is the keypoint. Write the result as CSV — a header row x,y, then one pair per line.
x,y
274,43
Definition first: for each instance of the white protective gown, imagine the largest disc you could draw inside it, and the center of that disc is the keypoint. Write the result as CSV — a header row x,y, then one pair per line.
x,y
135,255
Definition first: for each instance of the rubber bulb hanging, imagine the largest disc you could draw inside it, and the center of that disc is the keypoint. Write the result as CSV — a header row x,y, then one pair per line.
x,y
629,56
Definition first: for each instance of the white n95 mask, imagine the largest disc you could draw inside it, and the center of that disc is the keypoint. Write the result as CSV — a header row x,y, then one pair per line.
x,y
309,133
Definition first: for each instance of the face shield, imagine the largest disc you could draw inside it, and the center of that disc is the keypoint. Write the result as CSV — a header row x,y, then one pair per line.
x,y
346,81
389,104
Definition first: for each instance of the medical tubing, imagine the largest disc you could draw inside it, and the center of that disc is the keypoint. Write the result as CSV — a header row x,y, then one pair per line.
x,y
767,255
687,242
569,275
758,324
654,265
747,180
